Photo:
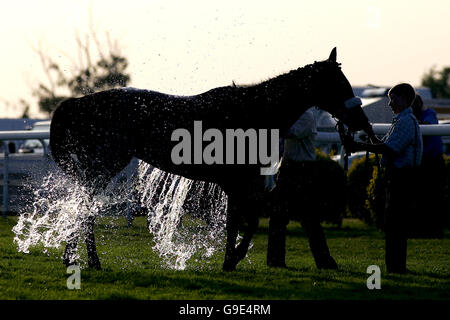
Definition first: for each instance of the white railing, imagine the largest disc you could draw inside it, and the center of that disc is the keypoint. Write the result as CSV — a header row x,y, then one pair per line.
x,y
381,129
17,135
323,137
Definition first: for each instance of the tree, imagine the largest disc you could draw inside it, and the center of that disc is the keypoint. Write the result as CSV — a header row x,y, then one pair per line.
x,y
438,82
108,72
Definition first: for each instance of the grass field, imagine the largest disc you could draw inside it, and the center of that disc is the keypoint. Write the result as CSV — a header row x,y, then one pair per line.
x,y
132,271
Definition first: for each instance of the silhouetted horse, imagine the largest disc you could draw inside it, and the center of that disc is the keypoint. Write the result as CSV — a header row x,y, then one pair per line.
x,y
94,137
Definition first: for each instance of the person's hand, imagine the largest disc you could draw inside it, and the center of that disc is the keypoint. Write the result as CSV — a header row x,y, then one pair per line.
x,y
350,145
363,136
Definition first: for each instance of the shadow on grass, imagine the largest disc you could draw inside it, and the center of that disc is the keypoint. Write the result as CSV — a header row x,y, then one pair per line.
x,y
330,285
330,232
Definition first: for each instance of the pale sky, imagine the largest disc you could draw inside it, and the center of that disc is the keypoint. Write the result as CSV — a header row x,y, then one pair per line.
x,y
187,47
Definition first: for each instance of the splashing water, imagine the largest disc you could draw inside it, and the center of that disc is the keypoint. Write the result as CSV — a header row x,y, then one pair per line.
x,y
55,217
175,239
58,212
180,228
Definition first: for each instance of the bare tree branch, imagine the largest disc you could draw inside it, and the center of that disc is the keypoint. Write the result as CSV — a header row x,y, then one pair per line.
x,y
94,35
45,62
89,75
79,51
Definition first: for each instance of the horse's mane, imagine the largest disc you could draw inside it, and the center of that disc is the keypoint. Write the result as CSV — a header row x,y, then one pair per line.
x,y
301,73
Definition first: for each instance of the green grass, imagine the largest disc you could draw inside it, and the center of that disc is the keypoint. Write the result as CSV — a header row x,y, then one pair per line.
x,y
132,271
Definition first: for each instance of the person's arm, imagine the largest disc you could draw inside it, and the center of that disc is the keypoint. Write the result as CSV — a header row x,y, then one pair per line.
x,y
303,127
380,148
397,141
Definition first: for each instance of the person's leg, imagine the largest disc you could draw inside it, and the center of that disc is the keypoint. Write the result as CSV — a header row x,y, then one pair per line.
x,y
431,213
395,229
280,203
396,249
318,244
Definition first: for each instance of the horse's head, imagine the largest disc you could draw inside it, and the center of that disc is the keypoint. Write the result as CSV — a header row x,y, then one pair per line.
x,y
333,93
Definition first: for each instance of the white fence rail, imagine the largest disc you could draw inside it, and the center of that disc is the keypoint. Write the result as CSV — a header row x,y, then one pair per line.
x,y
17,135
322,137
382,128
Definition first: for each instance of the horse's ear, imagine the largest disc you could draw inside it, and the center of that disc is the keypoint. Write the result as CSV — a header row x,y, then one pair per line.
x,y
333,55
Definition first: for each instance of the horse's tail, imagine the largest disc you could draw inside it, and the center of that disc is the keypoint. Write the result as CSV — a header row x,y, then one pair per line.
x,y
60,138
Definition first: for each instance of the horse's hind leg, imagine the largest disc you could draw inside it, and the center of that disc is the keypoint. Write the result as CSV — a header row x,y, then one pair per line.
x,y
99,184
93,260
96,179
71,246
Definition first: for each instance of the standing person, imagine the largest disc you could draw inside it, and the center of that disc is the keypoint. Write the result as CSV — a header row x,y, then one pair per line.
x,y
432,145
298,155
402,153
429,219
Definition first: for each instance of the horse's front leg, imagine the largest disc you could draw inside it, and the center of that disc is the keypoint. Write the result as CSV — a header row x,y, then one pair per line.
x,y
235,254
93,260
277,210
232,227
276,248
252,225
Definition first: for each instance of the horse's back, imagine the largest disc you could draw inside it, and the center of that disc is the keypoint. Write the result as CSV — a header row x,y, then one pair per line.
x,y
114,125
92,133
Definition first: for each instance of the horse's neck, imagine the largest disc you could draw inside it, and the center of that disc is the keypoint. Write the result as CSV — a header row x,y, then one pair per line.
x,y
287,100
